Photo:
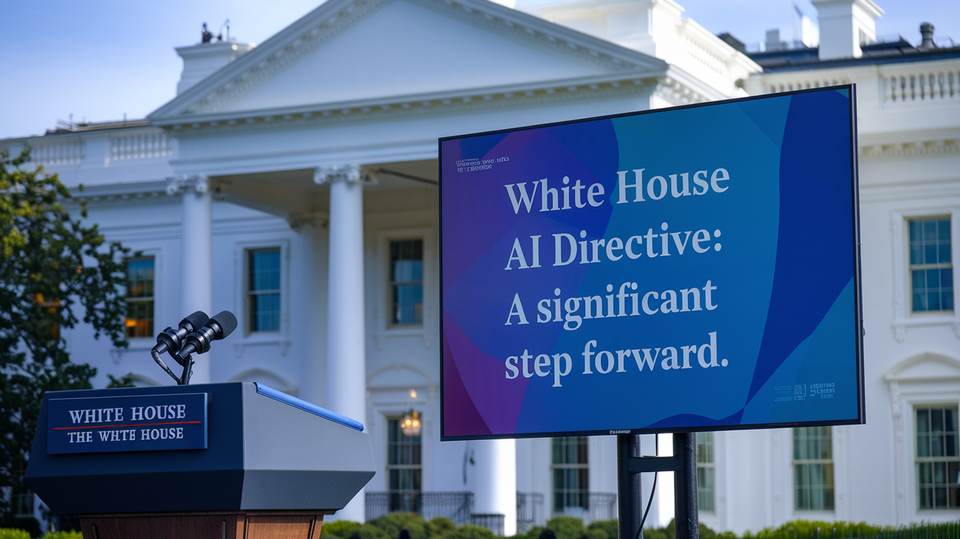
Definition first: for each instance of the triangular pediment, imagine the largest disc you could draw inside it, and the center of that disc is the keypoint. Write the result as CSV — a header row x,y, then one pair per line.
x,y
923,367
379,50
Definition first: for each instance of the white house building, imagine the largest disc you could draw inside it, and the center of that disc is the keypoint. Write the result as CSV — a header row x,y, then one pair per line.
x,y
295,184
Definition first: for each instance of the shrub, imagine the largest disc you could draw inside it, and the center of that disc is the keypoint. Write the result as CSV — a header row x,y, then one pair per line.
x,y
566,527
655,533
65,535
804,529
440,527
607,527
470,531
10,533
532,533
370,531
340,528
393,523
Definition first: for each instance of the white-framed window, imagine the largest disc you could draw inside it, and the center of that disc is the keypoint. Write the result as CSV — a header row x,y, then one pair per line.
x,y
931,264
263,290
570,469
404,469
407,277
706,473
937,457
813,481
924,242
140,297
405,282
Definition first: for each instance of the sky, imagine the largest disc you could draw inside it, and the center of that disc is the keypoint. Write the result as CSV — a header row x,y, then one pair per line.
x,y
101,60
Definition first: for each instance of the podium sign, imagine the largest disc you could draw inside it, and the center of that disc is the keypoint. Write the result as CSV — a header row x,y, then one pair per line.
x,y
127,423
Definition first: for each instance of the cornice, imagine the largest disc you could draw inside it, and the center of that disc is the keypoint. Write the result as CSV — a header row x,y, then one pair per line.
x,y
402,107
241,76
919,143
120,193
678,87
909,190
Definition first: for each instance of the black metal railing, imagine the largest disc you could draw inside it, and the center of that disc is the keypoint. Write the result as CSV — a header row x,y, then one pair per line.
x,y
529,511
599,506
457,506
603,506
490,521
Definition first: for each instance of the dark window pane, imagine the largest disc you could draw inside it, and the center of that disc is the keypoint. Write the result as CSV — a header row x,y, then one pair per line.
x,y
943,230
407,270
938,465
265,312
919,279
404,472
263,290
930,247
570,473
139,321
265,270
408,302
930,230
813,468
140,297
406,282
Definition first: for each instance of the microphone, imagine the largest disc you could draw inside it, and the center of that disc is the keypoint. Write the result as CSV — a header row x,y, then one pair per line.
x,y
172,339
217,327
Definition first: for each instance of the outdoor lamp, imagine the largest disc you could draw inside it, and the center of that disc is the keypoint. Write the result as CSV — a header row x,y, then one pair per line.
x,y
410,423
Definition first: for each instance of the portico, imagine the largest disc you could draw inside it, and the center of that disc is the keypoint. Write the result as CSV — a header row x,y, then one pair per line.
x,y
304,172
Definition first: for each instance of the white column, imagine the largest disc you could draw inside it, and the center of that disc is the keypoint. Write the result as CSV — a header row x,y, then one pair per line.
x,y
495,481
346,351
196,262
309,278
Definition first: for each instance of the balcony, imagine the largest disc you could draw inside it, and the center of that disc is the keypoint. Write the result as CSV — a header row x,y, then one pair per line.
x,y
599,506
457,506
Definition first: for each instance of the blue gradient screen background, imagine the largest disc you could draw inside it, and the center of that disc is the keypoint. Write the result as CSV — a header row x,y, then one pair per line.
x,y
775,249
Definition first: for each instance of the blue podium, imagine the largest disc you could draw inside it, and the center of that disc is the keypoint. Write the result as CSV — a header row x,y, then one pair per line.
x,y
236,460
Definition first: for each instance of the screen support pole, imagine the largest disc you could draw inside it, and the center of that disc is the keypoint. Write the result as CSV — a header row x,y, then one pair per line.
x,y
629,467
629,493
685,486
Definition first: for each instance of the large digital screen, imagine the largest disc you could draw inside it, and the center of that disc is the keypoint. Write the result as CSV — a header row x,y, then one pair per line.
x,y
684,269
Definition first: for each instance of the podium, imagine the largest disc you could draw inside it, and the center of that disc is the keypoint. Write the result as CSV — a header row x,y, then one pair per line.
x,y
218,461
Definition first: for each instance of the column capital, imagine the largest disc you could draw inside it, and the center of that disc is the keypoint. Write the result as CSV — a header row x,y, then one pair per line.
x,y
341,173
308,219
183,183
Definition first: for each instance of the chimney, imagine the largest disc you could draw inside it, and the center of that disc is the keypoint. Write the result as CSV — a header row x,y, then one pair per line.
x,y
845,25
773,40
926,32
199,61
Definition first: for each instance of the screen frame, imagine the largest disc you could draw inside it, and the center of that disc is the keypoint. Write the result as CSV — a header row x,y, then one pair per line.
x,y
857,279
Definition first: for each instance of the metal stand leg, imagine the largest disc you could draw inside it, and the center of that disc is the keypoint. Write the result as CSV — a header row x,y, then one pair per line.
x,y
628,487
683,462
685,486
